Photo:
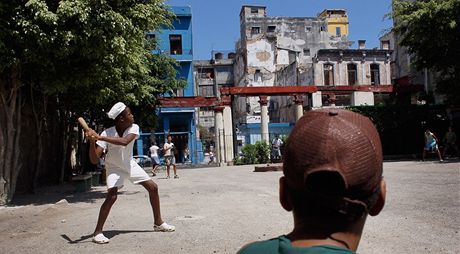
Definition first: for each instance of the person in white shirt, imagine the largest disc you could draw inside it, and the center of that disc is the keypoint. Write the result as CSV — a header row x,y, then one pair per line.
x,y
276,147
118,141
154,157
170,159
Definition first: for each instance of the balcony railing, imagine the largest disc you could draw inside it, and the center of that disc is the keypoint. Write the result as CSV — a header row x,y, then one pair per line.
x,y
174,52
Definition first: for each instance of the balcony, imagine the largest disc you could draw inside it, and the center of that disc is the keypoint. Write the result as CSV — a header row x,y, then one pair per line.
x,y
179,55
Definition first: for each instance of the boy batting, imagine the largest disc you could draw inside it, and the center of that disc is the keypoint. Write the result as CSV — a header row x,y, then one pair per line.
x,y
118,141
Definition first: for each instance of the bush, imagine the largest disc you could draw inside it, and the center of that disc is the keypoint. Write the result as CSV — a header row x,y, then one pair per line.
x,y
254,154
263,152
249,154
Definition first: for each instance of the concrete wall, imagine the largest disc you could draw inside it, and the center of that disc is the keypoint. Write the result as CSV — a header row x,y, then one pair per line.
x,y
363,59
268,45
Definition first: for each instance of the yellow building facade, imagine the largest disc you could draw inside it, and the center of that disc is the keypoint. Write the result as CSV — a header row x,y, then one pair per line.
x,y
337,21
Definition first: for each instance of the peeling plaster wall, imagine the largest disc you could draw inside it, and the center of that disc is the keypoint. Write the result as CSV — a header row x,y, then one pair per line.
x,y
363,72
268,45
363,64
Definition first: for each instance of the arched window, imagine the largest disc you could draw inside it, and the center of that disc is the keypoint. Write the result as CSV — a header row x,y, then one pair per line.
x,y
328,74
352,74
375,74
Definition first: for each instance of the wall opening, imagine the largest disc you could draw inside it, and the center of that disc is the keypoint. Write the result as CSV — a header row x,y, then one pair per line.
x,y
328,74
207,73
175,44
255,30
258,76
352,74
375,74
338,31
271,29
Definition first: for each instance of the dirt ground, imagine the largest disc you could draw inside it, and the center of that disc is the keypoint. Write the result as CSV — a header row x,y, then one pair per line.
x,y
218,210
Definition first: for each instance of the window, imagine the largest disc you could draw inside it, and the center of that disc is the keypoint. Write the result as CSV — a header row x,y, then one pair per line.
x,y
175,44
255,30
271,29
338,31
328,74
352,74
375,74
207,73
306,52
207,90
258,76
254,10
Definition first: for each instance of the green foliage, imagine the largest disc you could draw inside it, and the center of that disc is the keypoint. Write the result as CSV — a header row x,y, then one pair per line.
x,y
87,54
263,151
284,138
430,30
249,154
254,154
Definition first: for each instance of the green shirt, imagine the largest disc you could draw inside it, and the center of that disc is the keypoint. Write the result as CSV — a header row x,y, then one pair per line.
x,y
283,245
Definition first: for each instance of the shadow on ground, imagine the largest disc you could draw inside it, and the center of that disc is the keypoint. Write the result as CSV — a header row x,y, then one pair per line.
x,y
109,234
53,194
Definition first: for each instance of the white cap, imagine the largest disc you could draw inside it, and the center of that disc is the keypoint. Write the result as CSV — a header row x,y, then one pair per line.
x,y
116,110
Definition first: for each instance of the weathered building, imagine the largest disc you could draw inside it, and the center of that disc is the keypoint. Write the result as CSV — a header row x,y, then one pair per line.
x,y
269,45
337,21
351,67
336,73
210,76
306,51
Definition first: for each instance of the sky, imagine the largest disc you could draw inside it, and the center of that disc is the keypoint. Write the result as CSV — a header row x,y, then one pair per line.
x,y
216,22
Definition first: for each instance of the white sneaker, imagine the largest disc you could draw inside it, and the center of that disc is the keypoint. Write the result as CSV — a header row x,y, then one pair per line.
x,y
100,238
165,227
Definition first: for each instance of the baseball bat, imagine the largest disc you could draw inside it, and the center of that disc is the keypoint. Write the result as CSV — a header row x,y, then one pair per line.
x,y
83,123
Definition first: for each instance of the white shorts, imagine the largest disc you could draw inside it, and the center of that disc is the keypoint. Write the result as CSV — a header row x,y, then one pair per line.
x,y
116,176
170,160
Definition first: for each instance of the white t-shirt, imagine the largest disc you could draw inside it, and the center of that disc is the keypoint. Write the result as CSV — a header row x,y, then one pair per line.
x,y
118,157
277,142
154,150
168,152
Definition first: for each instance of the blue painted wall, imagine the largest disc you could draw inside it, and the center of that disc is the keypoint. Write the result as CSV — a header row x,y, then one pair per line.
x,y
179,122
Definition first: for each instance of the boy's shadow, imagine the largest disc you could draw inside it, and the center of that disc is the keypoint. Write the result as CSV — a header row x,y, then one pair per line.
x,y
109,234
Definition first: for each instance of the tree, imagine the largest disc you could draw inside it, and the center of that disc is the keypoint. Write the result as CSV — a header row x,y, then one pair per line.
x,y
60,59
430,29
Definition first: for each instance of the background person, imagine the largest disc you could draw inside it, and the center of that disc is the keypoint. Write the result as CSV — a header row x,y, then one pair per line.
x,y
450,141
154,157
332,180
431,144
276,147
170,159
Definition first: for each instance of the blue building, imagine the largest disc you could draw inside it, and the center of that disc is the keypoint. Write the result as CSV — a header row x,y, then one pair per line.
x,y
180,123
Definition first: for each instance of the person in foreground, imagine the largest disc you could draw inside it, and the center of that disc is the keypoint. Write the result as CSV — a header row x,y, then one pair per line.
x,y
118,141
332,181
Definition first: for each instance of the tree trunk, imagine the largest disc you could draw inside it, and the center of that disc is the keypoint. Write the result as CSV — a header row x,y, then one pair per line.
x,y
10,111
39,113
